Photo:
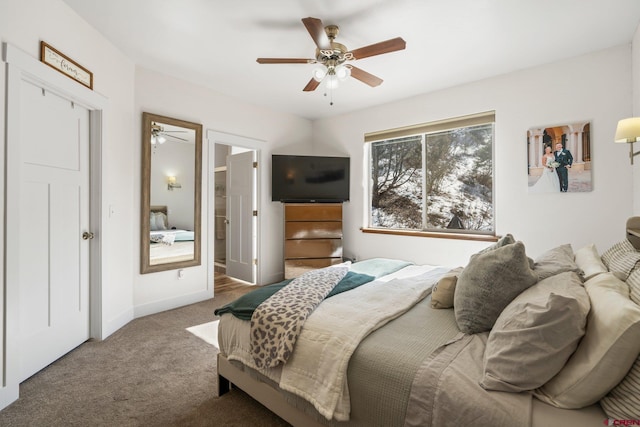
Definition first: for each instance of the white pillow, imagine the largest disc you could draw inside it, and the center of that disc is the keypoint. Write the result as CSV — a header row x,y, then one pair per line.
x,y
608,349
161,221
152,221
589,261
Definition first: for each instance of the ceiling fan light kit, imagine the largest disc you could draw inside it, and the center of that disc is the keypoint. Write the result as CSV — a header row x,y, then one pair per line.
x,y
331,57
159,134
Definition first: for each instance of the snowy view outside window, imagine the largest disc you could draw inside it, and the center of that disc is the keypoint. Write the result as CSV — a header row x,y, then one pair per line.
x,y
439,181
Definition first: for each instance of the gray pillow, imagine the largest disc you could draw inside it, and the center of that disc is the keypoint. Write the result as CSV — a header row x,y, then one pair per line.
x,y
536,334
488,284
505,240
555,261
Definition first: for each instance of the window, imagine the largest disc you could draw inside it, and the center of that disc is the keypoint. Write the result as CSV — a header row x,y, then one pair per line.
x,y
434,177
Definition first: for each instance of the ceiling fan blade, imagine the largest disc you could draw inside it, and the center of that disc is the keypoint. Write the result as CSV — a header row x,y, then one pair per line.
x,y
317,32
379,48
311,86
177,137
365,77
282,61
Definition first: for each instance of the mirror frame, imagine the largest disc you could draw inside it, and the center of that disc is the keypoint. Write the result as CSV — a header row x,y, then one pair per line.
x,y
145,228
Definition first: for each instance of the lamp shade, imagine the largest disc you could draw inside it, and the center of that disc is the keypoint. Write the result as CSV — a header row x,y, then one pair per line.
x,y
628,130
319,73
342,72
332,82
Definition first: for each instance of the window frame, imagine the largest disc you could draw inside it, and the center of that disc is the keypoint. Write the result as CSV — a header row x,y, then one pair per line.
x,y
423,130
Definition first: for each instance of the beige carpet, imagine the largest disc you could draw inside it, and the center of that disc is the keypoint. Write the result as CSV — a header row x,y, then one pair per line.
x,y
152,372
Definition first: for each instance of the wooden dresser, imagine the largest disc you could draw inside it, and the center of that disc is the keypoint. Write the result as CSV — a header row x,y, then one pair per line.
x,y
312,236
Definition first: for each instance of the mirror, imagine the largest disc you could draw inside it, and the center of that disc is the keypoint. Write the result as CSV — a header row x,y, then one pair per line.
x,y
171,185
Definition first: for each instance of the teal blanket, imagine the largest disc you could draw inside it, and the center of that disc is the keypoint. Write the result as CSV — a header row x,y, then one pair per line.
x,y
244,306
378,267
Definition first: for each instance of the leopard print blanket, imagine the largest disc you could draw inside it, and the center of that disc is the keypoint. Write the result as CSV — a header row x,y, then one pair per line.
x,y
277,322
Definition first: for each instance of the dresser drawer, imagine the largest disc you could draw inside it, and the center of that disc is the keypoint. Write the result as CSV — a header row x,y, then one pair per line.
x,y
313,212
313,230
313,248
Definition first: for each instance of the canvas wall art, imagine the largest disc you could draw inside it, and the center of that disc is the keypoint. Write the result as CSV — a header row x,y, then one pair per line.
x,y
559,158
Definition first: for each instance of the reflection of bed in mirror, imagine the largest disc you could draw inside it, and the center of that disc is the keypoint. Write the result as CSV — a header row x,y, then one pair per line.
x,y
167,243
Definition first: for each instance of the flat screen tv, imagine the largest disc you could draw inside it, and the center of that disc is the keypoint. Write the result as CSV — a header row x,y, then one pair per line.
x,y
309,179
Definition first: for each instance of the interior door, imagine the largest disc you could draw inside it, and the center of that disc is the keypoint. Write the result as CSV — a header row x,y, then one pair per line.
x,y
241,178
53,272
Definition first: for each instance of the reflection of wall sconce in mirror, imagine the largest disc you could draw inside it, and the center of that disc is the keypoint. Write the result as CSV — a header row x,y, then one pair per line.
x,y
171,183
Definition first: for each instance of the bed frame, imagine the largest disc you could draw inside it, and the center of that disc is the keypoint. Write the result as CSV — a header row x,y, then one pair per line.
x,y
229,375
158,208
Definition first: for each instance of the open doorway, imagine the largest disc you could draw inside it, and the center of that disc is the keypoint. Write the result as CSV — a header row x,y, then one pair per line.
x,y
233,213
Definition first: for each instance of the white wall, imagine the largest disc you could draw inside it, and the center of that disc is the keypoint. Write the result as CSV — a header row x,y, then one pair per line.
x,y
596,87
160,94
635,68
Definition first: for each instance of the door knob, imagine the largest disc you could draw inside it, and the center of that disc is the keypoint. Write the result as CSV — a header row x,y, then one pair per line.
x,y
87,235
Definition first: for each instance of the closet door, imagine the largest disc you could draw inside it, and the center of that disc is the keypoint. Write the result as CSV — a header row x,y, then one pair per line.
x,y
241,223
53,271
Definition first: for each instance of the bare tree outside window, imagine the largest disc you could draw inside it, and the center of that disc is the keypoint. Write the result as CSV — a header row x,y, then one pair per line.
x,y
457,192
396,196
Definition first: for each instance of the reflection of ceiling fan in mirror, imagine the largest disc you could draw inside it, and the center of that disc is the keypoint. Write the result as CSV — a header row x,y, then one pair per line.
x,y
159,134
333,56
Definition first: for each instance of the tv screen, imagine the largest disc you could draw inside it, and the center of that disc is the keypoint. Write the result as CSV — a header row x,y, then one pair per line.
x,y
311,179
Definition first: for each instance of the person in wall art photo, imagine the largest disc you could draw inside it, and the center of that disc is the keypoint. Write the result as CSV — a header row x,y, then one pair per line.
x,y
564,159
559,158
549,181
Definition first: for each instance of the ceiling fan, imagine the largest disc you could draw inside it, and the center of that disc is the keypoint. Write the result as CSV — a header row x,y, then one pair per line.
x,y
334,55
159,134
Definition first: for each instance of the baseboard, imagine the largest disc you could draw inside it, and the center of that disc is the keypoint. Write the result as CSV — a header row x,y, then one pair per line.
x,y
272,278
8,395
171,303
109,327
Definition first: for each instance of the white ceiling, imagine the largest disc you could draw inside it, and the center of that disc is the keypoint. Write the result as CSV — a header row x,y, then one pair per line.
x,y
215,43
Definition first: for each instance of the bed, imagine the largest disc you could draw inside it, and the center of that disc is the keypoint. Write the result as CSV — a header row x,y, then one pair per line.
x,y
414,360
168,244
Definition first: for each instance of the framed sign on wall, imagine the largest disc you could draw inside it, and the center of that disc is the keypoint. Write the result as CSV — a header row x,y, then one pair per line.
x,y
62,63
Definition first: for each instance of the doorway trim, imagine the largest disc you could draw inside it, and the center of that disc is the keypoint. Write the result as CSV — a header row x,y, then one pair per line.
x,y
216,137
23,67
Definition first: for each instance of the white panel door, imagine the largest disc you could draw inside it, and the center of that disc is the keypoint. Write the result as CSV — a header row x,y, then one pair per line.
x,y
240,220
54,213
